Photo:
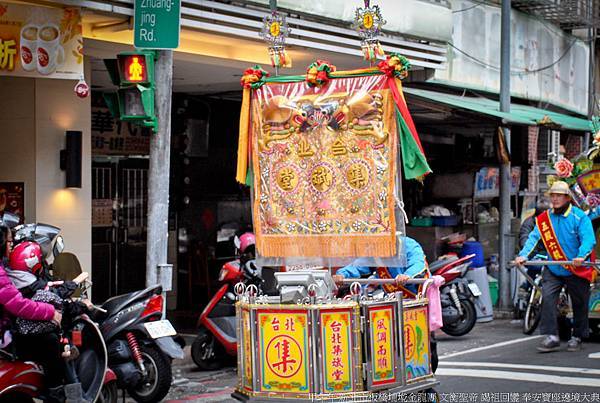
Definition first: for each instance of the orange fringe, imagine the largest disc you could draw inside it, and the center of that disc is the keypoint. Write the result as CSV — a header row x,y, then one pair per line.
x,y
327,246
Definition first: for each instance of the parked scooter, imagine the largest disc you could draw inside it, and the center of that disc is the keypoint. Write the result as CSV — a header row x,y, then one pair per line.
x,y
216,335
140,345
457,295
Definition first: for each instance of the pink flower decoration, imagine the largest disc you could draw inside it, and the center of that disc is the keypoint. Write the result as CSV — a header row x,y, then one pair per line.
x,y
563,168
593,199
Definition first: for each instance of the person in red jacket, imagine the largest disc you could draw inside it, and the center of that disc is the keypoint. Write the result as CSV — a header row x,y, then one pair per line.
x,y
14,305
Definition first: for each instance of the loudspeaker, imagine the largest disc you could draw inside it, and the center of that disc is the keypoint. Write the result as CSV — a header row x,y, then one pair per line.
x,y
70,159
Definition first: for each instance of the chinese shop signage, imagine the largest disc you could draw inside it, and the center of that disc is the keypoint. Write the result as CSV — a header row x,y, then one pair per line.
x,y
115,137
40,42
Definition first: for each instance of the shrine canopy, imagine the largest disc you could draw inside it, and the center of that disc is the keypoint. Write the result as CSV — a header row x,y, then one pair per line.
x,y
321,154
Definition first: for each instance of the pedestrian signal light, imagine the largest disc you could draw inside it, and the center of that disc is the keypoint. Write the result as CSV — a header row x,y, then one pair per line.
x,y
133,73
134,69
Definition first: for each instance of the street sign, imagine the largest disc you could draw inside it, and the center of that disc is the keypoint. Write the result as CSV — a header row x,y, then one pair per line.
x,y
157,24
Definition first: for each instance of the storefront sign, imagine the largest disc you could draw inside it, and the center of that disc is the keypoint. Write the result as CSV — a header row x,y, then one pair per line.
x,y
12,198
113,137
336,349
40,42
487,182
157,24
283,346
416,343
383,354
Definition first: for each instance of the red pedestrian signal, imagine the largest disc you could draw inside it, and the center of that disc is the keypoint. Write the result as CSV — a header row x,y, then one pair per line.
x,y
133,73
135,69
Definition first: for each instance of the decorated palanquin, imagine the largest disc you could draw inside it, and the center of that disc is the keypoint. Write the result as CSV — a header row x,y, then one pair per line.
x,y
335,349
322,155
320,152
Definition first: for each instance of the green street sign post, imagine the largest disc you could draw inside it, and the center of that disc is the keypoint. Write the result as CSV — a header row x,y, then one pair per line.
x,y
157,24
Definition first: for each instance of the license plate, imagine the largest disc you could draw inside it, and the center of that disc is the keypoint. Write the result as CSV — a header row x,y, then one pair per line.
x,y
161,328
474,289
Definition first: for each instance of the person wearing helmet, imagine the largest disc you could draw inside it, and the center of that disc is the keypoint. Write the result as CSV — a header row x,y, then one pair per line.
x,y
16,306
247,247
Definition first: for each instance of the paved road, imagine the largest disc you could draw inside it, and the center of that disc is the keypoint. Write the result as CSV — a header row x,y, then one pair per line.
x,y
494,363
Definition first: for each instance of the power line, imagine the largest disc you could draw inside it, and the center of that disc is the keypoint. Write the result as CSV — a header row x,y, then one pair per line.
x,y
516,72
478,3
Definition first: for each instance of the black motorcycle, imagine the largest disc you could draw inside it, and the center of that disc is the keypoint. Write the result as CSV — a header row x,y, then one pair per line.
x,y
140,343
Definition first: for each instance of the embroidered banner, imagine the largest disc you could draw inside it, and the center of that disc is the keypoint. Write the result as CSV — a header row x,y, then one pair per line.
x,y
324,164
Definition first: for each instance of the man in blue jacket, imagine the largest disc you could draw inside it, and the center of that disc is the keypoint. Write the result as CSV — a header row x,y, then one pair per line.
x,y
415,268
567,234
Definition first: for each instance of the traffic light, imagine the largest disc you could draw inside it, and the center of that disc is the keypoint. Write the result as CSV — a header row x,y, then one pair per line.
x,y
133,73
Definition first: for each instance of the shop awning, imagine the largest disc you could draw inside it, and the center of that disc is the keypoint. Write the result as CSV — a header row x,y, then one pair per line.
x,y
519,114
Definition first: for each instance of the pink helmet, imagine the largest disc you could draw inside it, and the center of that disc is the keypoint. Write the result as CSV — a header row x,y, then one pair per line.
x,y
246,240
26,256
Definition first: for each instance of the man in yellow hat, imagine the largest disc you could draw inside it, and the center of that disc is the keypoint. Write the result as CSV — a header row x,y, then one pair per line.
x,y
567,234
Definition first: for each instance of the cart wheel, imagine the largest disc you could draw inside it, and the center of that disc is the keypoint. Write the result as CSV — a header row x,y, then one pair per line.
x,y
431,396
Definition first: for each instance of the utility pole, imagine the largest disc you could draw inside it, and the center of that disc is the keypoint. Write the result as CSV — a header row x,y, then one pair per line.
x,y
505,251
158,175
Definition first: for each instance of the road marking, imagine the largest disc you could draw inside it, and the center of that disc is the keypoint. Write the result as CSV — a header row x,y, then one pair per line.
x,y
590,371
519,376
502,344
594,355
217,393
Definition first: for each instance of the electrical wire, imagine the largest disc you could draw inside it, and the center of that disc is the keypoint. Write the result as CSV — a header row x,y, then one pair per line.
x,y
478,3
515,72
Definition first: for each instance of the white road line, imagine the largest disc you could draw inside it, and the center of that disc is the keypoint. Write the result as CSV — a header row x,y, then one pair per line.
x,y
589,371
519,376
594,355
502,344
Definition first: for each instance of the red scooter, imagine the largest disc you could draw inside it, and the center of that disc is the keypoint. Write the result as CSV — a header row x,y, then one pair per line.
x,y
23,381
217,338
457,295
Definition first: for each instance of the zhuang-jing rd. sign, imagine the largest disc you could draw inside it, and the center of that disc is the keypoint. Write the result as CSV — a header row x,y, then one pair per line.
x,y
157,24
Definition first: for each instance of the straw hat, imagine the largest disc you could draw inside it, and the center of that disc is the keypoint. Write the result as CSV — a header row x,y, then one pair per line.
x,y
559,187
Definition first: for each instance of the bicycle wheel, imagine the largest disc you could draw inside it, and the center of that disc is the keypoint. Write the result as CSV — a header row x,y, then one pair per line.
x,y
533,311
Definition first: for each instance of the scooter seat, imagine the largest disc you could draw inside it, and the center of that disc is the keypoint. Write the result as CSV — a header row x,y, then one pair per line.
x,y
438,264
117,303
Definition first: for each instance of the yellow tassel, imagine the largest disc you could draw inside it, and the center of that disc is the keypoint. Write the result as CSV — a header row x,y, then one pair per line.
x,y
242,162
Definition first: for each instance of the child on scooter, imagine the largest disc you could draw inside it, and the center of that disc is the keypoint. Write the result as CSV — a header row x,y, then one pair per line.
x,y
27,274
